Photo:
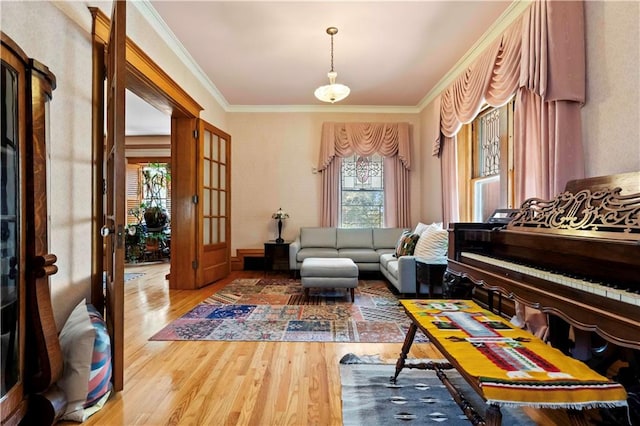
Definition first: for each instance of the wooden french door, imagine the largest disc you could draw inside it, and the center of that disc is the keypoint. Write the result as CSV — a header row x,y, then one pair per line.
x,y
214,209
115,176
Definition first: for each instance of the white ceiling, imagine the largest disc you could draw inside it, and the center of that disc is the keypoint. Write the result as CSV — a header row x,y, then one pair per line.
x,y
274,54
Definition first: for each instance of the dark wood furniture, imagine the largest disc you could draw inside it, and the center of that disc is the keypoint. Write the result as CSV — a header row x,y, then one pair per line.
x,y
429,272
574,257
276,256
34,359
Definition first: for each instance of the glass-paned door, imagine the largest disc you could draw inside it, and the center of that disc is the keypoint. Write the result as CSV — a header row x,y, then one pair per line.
x,y
214,172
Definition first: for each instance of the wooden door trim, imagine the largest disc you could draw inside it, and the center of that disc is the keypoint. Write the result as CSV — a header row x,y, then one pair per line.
x,y
145,78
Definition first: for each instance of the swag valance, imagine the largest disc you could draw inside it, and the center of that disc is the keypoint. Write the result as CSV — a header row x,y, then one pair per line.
x,y
345,139
389,140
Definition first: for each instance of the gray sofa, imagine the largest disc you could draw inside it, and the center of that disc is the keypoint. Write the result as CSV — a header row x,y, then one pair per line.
x,y
372,249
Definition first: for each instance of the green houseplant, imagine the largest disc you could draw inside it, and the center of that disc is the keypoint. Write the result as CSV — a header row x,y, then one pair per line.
x,y
155,179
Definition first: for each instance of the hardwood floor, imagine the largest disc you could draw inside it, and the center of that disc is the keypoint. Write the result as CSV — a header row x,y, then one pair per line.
x,y
216,383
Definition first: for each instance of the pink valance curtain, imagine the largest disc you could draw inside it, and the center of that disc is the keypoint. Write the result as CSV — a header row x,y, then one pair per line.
x,y
541,59
390,140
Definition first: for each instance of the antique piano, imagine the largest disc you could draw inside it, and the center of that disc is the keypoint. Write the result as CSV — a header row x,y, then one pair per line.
x,y
576,258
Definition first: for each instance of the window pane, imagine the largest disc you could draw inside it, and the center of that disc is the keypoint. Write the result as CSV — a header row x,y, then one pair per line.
x,y
489,143
207,144
223,177
214,145
214,202
223,150
214,231
222,233
223,203
206,202
214,175
206,171
206,231
486,197
362,195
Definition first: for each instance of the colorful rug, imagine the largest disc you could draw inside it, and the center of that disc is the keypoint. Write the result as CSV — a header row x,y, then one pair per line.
x,y
418,397
275,309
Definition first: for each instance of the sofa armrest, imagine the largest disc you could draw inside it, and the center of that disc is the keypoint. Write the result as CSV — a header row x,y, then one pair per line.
x,y
294,247
407,274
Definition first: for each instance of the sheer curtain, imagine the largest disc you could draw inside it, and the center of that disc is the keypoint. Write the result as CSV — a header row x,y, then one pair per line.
x,y
391,141
541,59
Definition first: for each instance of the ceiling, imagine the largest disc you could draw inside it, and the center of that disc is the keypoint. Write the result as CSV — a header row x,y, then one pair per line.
x,y
260,54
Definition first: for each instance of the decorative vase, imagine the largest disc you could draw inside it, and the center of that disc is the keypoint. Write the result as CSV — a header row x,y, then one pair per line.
x,y
279,240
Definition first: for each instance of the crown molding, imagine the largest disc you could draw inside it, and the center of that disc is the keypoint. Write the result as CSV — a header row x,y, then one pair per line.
x,y
157,23
359,109
514,11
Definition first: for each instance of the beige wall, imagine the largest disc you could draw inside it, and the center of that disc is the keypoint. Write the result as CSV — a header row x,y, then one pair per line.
x,y
611,115
271,166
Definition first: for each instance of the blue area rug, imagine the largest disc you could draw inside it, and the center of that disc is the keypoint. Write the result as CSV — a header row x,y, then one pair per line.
x,y
418,397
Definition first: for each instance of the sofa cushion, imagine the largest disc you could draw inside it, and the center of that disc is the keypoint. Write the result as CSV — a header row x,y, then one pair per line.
x,y
360,255
406,244
386,258
386,237
433,242
354,238
308,252
318,237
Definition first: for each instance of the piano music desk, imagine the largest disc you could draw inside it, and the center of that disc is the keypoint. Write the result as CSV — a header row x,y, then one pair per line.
x,y
505,365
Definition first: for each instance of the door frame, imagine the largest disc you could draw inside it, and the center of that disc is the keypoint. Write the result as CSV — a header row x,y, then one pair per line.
x,y
148,81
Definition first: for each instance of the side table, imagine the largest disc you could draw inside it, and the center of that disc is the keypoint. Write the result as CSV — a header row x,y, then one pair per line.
x,y
276,256
429,272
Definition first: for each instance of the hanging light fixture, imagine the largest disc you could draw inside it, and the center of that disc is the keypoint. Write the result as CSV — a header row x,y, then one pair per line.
x,y
332,92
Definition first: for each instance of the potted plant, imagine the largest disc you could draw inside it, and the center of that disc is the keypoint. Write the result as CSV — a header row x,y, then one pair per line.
x,y
155,178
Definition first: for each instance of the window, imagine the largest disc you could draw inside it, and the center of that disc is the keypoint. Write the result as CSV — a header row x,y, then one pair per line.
x,y
362,192
486,163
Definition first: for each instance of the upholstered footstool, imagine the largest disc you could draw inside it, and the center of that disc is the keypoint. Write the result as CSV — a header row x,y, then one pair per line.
x,y
336,272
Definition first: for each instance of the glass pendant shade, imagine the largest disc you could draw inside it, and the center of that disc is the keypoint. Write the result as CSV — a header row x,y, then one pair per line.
x,y
332,92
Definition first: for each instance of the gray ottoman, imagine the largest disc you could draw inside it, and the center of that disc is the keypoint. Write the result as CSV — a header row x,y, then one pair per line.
x,y
330,272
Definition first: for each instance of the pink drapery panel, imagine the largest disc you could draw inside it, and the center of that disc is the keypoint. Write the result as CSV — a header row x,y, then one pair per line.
x,y
449,174
330,193
544,160
548,140
396,193
390,140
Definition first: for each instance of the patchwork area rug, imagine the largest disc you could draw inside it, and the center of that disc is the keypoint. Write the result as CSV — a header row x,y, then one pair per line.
x,y
275,309
418,397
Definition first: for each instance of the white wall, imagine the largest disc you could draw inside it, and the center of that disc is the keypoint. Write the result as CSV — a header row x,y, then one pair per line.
x,y
271,162
611,115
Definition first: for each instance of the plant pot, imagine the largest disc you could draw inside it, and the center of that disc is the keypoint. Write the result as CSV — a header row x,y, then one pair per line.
x,y
155,218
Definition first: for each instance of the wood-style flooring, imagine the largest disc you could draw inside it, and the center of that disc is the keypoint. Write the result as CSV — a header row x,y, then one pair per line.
x,y
228,383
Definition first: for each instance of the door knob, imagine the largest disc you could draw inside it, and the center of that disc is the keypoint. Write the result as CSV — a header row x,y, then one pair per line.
x,y
105,231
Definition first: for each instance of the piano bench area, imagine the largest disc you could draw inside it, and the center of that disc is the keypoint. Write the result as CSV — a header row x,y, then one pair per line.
x,y
506,365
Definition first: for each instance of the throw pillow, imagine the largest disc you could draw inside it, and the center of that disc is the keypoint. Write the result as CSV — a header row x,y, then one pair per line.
x,y
420,228
76,342
406,244
100,376
433,242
